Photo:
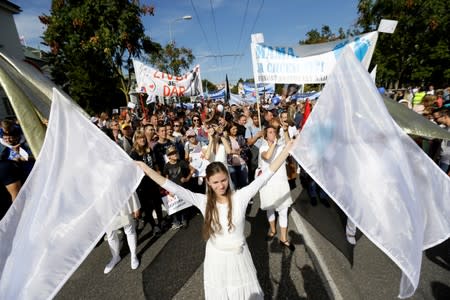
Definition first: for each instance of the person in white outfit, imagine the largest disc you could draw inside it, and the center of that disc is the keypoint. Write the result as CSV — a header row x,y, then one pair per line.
x,y
276,194
125,219
228,268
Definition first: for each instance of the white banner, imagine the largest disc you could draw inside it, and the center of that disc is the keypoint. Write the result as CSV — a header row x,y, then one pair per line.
x,y
395,194
174,204
199,163
65,206
249,88
307,63
154,82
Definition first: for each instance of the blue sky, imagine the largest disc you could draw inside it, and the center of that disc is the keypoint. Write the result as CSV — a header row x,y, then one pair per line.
x,y
220,27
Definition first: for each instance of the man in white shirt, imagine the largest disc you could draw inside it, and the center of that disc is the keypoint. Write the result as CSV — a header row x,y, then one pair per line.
x,y
254,136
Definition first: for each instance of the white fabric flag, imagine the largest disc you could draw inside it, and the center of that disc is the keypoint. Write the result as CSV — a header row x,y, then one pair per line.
x,y
374,172
80,181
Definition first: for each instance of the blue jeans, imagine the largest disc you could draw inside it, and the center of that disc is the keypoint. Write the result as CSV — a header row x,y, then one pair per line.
x,y
239,175
444,167
314,189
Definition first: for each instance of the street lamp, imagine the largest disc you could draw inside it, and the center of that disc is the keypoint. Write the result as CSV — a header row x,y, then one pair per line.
x,y
177,19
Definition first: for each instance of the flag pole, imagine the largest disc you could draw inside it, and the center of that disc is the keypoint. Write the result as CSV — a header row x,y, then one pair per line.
x,y
256,38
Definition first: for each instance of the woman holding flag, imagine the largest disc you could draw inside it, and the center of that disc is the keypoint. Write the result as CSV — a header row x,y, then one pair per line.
x,y
229,272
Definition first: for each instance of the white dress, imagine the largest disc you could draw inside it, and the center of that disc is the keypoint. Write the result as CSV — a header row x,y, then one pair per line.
x,y
276,194
228,267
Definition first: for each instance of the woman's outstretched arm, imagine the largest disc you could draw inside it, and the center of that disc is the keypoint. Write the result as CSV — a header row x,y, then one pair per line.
x,y
280,159
199,200
155,176
250,190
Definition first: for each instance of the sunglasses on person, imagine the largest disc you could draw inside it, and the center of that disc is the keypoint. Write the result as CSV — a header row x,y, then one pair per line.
x,y
195,120
176,125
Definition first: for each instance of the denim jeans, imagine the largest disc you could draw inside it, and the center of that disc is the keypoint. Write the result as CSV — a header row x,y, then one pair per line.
x,y
239,175
444,167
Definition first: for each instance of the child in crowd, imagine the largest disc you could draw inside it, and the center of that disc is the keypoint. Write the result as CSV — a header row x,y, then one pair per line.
x,y
180,172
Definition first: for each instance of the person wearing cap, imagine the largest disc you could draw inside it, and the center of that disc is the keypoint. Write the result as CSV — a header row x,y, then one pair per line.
x,y
17,150
126,141
192,145
180,172
194,150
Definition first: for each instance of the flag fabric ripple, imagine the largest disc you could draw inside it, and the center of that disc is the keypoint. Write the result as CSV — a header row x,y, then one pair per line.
x,y
397,196
80,181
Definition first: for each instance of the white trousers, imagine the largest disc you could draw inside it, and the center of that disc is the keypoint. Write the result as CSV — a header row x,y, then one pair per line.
x,y
350,228
114,243
282,216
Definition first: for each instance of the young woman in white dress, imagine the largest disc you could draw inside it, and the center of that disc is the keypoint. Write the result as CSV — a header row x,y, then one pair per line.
x,y
229,272
276,194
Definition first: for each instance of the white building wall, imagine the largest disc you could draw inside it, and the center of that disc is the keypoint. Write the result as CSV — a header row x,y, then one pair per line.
x,y
9,37
10,45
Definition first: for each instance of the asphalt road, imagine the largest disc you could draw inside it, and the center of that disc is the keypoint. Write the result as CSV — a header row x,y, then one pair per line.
x,y
364,271
323,266
171,266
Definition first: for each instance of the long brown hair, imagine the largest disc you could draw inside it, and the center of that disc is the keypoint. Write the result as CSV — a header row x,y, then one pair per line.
x,y
212,225
138,148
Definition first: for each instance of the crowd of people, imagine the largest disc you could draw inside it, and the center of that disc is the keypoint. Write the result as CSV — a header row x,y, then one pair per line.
x,y
433,105
216,150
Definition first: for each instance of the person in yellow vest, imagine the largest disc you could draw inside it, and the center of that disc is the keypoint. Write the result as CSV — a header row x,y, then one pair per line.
x,y
417,100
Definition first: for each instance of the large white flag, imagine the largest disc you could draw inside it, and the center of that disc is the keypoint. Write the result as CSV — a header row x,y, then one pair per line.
x,y
155,82
80,181
376,174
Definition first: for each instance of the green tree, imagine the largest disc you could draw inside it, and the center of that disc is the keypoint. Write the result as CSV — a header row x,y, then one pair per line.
x,y
91,43
326,35
235,88
208,85
171,59
418,51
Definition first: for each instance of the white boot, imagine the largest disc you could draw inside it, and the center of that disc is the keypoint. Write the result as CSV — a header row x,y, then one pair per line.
x,y
114,247
132,242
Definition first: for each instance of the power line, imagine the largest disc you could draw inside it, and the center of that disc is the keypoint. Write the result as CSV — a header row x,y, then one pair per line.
x,y
251,30
242,30
257,16
197,17
215,30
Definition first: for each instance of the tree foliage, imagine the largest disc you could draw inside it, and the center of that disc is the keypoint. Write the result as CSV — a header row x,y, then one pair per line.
x,y
91,42
171,59
235,88
208,85
325,35
418,51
